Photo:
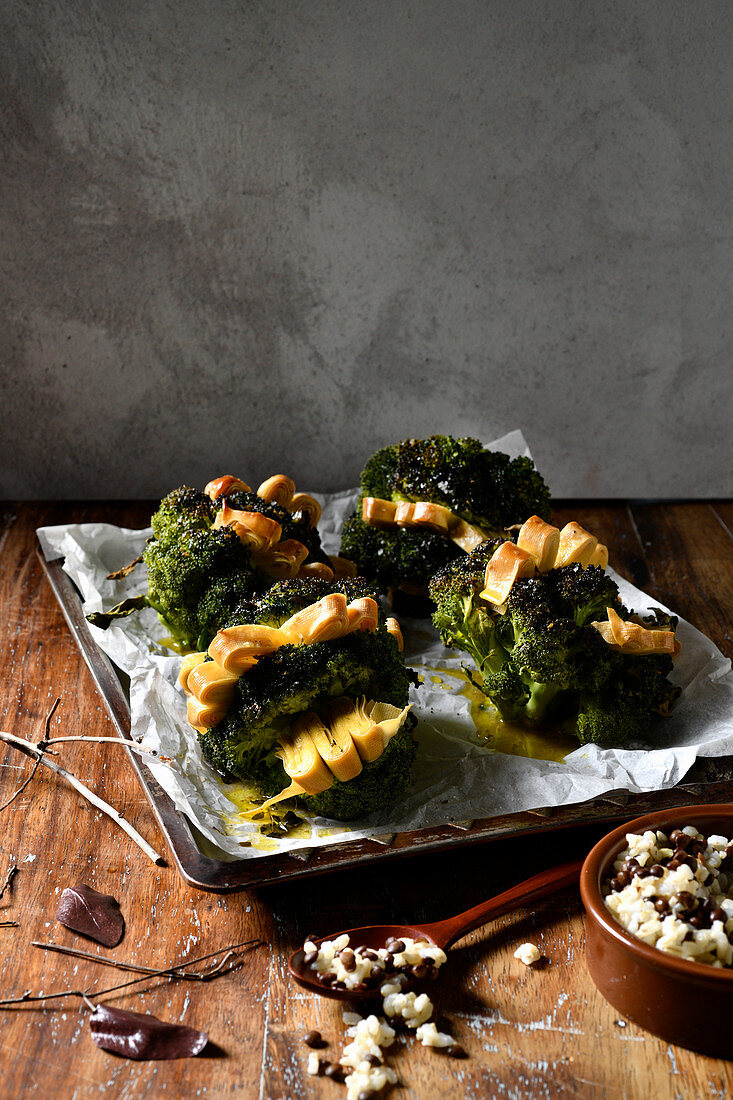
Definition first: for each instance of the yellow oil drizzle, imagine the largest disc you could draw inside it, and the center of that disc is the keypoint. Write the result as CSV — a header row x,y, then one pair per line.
x,y
248,798
513,738
176,645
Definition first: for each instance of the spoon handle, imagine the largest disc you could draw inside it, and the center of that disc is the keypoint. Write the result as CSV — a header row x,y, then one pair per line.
x,y
446,932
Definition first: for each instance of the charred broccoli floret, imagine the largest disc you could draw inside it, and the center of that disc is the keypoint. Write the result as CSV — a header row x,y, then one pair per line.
x,y
197,577
295,525
486,489
538,656
295,679
183,509
286,597
200,574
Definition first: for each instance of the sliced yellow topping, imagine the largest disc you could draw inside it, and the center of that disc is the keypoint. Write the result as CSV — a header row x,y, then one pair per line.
x,y
188,664
630,637
303,763
541,540
342,567
370,724
222,486
204,716
600,556
377,512
393,628
466,536
316,751
421,515
212,684
279,488
237,648
254,530
363,614
322,621
576,545
507,564
316,569
334,746
348,716
282,560
389,718
289,792
302,502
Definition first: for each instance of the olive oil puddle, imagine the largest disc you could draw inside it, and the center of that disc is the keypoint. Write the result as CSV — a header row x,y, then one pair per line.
x,y
514,738
277,823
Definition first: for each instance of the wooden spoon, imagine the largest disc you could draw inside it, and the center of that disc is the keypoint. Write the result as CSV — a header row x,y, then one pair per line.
x,y
442,933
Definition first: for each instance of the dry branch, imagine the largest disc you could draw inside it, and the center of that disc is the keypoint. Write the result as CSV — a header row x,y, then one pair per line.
x,y
38,754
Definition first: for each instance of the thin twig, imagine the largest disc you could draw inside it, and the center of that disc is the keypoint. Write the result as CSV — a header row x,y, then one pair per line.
x,y
9,924
131,745
138,969
12,872
22,787
178,970
38,754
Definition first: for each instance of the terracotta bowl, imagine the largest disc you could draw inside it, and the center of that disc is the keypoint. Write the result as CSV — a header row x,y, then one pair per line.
x,y
683,1002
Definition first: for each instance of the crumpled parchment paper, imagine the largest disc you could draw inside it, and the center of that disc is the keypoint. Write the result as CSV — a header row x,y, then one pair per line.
x,y
456,777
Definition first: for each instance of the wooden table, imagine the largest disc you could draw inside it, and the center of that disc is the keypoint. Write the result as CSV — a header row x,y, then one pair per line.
x,y
529,1033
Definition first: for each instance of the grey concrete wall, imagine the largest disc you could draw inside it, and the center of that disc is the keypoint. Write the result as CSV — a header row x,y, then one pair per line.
x,y
258,237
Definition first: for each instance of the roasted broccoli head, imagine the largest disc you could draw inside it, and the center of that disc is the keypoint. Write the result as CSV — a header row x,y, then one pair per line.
x,y
214,551
320,712
476,491
538,655
196,580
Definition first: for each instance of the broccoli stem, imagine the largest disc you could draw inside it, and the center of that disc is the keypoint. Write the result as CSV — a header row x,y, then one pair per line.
x,y
540,698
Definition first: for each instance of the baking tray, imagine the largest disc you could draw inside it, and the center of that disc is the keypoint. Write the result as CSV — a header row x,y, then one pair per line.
x,y
708,781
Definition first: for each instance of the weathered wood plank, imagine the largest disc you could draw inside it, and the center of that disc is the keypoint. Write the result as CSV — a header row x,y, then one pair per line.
x,y
544,1033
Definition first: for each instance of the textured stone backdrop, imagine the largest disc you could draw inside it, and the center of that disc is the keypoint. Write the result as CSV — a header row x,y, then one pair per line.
x,y
258,237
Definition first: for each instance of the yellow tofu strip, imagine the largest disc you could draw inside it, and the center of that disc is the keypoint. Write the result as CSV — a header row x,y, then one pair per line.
x,y
342,567
303,762
238,648
576,545
466,536
290,792
634,638
204,716
377,512
393,628
353,732
322,621
600,556
212,684
507,564
422,515
316,569
370,724
334,745
308,505
282,559
541,540
255,530
222,486
279,488
348,716
188,664
389,719
363,615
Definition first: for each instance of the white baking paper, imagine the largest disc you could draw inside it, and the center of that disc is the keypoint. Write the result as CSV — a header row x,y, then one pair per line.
x,y
455,778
